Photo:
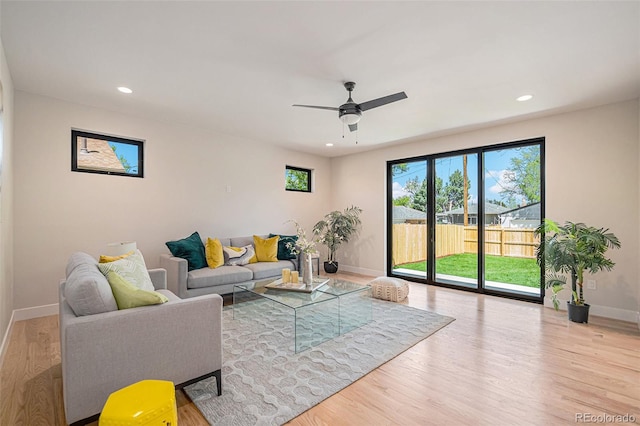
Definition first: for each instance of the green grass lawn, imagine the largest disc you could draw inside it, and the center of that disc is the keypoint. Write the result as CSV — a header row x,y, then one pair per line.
x,y
510,270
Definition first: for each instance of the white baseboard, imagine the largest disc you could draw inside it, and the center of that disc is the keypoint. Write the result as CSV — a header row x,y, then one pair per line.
x,y
361,271
25,314
604,311
35,312
614,313
5,339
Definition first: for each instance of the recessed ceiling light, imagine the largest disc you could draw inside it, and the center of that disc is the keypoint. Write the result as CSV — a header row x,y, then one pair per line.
x,y
125,89
524,98
329,144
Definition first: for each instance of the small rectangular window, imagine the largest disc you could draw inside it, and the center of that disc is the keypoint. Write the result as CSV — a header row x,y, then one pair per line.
x,y
95,153
297,179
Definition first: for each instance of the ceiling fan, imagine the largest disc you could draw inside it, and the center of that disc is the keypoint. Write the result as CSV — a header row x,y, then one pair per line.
x,y
351,112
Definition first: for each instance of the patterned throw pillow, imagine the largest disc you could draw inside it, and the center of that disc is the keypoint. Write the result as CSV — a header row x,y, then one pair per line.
x,y
238,256
132,269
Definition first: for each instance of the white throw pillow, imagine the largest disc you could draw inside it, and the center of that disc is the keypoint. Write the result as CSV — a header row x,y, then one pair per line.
x,y
132,269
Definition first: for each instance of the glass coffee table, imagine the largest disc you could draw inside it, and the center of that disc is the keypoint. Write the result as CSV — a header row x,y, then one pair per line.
x,y
335,308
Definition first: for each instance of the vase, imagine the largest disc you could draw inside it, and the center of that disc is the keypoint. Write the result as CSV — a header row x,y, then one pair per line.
x,y
307,269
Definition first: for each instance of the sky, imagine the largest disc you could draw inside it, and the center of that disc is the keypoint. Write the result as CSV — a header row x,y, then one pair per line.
x,y
495,162
129,151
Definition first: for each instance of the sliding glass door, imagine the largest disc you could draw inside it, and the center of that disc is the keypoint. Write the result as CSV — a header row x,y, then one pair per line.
x,y
409,219
512,204
465,219
456,208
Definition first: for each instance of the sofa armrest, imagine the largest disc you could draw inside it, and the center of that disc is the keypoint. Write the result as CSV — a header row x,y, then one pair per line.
x,y
158,278
177,341
177,269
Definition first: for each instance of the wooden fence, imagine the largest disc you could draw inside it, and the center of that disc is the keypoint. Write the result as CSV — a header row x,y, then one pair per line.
x,y
410,241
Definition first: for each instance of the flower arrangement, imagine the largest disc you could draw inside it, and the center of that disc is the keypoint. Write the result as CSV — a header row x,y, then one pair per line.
x,y
303,244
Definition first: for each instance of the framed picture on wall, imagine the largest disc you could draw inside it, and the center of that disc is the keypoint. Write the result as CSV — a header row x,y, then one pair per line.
x,y
110,155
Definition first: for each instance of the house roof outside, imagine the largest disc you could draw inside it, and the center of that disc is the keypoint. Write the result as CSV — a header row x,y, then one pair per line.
x,y
489,208
528,216
403,214
530,211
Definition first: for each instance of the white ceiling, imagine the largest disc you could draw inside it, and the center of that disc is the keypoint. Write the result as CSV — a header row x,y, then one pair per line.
x,y
237,67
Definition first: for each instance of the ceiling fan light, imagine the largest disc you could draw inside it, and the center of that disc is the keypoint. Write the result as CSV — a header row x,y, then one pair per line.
x,y
350,118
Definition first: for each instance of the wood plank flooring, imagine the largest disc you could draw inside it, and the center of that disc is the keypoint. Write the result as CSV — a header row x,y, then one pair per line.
x,y
502,362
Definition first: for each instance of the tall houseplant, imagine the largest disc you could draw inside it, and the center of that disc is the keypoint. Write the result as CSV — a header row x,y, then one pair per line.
x,y
571,250
336,228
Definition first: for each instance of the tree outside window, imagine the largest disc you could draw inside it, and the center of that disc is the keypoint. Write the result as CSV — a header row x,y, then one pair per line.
x,y
297,179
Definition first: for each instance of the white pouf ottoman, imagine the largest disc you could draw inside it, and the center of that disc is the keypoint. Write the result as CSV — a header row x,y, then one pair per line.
x,y
391,289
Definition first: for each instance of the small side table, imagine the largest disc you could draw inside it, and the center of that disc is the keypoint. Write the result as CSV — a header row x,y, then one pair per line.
x,y
317,260
149,402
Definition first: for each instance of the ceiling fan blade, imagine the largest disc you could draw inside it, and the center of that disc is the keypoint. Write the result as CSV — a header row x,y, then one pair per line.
x,y
382,101
316,107
353,127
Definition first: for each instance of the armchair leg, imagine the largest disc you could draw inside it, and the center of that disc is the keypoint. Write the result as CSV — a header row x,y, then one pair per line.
x,y
217,374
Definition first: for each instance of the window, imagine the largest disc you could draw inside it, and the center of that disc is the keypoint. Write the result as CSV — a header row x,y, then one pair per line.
x,y
466,219
112,155
297,179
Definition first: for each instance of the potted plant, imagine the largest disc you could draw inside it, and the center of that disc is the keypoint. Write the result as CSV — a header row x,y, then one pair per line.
x,y
336,228
573,249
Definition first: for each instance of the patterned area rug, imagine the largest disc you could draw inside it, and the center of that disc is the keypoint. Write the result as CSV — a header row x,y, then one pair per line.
x,y
264,382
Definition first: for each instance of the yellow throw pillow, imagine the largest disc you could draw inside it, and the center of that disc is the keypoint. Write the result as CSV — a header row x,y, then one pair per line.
x,y
109,259
129,296
214,253
266,249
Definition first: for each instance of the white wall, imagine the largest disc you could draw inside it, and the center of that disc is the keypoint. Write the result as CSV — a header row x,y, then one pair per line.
x,y
592,159
6,198
58,211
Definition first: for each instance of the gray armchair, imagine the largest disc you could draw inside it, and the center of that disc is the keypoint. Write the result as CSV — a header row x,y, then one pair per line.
x,y
179,341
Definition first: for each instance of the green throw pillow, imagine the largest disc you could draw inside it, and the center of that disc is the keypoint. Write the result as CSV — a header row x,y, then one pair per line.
x,y
285,253
191,249
129,296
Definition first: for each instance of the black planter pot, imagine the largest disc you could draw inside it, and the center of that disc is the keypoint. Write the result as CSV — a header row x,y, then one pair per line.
x,y
331,267
578,313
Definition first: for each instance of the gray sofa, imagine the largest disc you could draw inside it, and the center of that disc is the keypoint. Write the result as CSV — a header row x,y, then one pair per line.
x,y
220,280
104,349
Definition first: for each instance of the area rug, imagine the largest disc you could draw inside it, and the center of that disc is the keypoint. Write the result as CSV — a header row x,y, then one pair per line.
x,y
264,382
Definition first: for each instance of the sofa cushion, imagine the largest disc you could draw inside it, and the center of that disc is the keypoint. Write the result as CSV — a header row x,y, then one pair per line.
x,y
132,268
129,296
79,258
284,252
191,249
207,277
266,249
87,291
262,270
241,241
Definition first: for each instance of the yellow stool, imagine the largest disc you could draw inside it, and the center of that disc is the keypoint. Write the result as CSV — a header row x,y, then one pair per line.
x,y
146,403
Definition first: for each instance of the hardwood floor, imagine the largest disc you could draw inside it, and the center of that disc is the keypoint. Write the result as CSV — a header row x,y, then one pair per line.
x,y
502,362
